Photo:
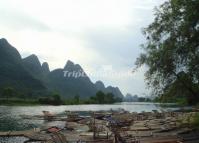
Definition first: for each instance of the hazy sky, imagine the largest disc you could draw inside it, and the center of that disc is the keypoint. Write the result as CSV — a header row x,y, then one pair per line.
x,y
103,36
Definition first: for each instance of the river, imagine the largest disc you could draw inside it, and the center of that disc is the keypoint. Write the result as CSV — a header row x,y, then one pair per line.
x,y
10,116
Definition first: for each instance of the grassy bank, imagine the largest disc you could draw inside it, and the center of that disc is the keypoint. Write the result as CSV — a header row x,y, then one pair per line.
x,y
49,101
19,102
56,99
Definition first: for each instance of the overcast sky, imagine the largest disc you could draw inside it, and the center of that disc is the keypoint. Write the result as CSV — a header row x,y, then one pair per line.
x,y
103,36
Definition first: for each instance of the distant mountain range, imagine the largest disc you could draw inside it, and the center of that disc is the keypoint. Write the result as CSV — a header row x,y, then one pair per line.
x,y
131,98
115,90
29,76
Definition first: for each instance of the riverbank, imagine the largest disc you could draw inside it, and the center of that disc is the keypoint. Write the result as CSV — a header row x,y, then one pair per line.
x,y
56,99
21,102
33,102
18,102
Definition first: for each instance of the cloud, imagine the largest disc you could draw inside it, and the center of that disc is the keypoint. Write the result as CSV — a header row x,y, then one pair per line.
x,y
20,21
92,33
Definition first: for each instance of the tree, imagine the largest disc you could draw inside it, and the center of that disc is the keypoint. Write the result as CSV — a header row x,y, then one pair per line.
x,y
100,97
93,100
76,99
8,92
109,98
56,99
172,48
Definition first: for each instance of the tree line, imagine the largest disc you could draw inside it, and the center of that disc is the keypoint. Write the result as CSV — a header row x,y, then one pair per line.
x,y
10,95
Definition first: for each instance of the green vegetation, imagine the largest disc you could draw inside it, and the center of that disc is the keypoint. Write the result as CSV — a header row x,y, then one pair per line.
x,y
54,99
8,92
195,122
102,98
171,52
33,79
99,98
144,99
18,102
10,96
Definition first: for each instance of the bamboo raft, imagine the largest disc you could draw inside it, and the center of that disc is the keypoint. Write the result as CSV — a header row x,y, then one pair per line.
x,y
117,127
30,134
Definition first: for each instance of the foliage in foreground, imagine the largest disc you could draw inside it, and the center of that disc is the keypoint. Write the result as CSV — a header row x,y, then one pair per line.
x,y
171,52
195,122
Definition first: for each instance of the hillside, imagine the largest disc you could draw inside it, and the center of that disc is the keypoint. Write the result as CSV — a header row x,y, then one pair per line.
x,y
29,76
13,74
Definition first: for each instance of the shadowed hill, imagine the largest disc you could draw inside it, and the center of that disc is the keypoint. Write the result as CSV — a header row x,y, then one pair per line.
x,y
68,85
13,73
115,90
29,76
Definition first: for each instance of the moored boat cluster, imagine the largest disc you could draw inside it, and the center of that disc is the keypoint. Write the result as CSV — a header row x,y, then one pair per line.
x,y
113,126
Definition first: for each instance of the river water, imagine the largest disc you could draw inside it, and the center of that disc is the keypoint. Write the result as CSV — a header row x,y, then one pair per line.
x,y
11,116
11,120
